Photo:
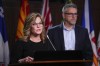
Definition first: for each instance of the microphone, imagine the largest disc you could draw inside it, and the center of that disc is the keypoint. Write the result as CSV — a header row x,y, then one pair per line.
x,y
51,43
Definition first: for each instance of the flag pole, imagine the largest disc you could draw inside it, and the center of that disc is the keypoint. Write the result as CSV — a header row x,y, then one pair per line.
x,y
68,1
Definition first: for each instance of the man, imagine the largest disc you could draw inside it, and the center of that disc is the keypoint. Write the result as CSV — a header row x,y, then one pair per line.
x,y
68,35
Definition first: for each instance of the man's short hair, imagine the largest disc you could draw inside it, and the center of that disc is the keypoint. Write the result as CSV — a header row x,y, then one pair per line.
x,y
68,6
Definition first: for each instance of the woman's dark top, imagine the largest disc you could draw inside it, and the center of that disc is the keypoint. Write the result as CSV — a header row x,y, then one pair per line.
x,y
24,49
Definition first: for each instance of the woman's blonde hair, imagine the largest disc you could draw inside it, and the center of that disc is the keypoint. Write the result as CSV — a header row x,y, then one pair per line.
x,y
28,21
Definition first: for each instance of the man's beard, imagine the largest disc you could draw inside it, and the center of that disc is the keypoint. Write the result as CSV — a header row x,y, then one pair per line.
x,y
70,23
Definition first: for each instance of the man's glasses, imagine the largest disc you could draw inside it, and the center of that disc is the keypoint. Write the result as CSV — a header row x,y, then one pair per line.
x,y
71,14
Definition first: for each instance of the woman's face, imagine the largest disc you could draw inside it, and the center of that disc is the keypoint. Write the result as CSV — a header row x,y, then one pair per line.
x,y
37,26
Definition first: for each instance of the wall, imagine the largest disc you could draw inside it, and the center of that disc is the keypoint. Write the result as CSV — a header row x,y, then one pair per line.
x,y
12,8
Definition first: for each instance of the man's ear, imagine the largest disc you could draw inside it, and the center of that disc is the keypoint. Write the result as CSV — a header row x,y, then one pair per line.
x,y
63,15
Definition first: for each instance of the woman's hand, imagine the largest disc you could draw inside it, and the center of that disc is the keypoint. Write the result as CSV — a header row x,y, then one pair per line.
x,y
27,59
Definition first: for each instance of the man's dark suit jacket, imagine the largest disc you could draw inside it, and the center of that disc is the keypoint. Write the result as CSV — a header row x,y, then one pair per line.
x,y
82,41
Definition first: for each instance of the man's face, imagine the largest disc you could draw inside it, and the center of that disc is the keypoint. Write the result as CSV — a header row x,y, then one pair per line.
x,y
70,15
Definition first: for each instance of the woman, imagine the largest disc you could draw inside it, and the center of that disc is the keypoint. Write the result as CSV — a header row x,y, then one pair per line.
x,y
34,39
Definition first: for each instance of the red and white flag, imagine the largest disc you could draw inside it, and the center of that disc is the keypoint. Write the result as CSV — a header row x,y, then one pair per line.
x,y
46,14
99,45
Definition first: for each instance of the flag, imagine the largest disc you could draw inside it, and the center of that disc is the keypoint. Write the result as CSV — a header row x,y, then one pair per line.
x,y
46,14
24,11
98,42
87,23
4,49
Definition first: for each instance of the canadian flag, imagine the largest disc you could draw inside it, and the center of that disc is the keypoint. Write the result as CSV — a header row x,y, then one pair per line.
x,y
46,14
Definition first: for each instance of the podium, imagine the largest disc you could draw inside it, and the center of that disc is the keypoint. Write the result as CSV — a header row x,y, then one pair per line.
x,y
57,58
54,63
